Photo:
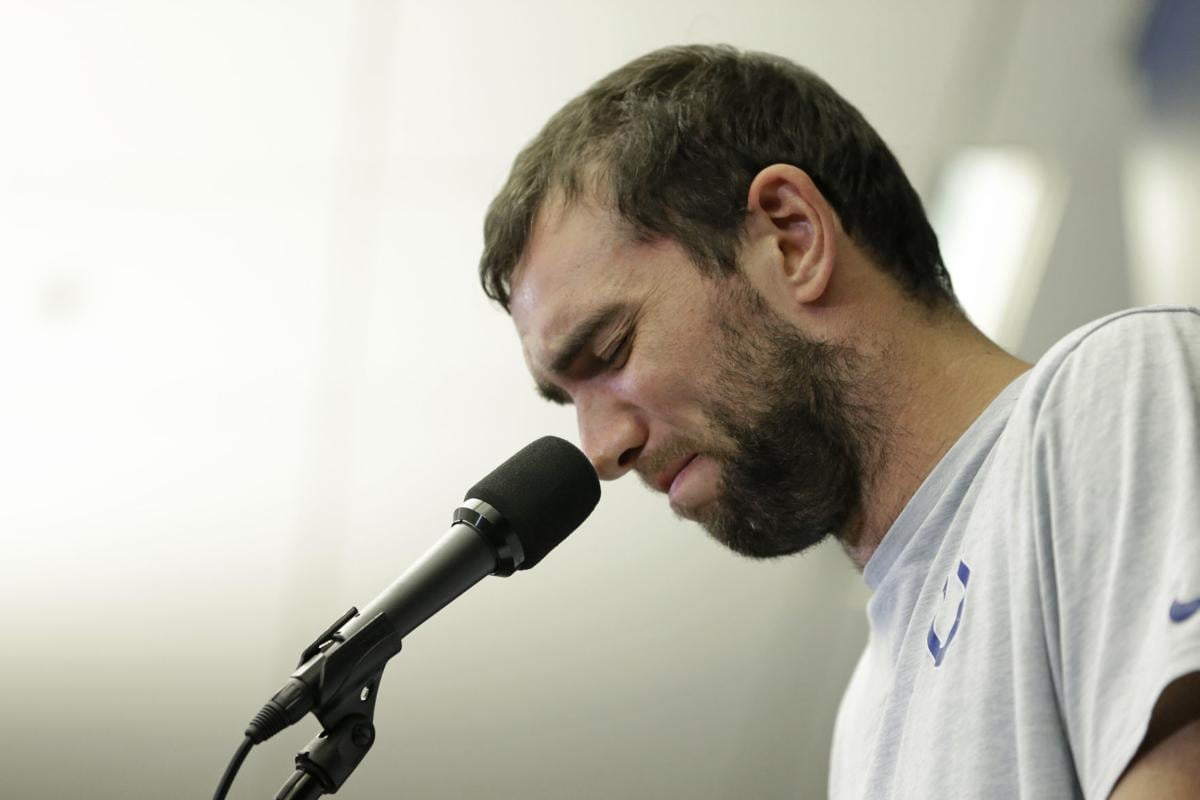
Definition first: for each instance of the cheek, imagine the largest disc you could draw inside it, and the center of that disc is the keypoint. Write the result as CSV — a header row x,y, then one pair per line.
x,y
671,370
669,392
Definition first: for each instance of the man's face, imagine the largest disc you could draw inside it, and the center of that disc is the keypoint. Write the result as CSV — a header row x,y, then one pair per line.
x,y
693,383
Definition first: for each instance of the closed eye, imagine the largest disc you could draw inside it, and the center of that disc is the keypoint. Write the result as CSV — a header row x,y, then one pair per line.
x,y
613,355
613,359
616,356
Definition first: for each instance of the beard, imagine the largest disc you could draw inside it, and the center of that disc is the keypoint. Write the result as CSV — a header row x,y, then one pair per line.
x,y
800,439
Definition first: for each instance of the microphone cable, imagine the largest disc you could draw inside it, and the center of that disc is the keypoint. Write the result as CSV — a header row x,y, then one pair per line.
x,y
231,771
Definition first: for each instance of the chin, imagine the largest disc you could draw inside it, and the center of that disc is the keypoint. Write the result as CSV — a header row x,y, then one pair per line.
x,y
702,514
760,543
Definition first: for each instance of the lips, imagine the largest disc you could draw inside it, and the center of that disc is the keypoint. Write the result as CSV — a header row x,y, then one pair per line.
x,y
671,471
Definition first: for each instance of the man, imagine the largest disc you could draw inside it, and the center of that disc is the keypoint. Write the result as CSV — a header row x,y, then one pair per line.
x,y
718,261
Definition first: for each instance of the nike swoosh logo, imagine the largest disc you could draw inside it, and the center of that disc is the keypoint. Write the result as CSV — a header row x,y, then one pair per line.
x,y
1181,611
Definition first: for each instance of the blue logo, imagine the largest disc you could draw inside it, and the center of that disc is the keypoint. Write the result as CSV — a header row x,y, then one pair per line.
x,y
938,647
1181,611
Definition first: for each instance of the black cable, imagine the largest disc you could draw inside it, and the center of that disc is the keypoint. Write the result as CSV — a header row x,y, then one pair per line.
x,y
231,771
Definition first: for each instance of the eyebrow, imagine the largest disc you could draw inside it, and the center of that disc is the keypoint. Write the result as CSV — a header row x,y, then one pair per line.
x,y
573,344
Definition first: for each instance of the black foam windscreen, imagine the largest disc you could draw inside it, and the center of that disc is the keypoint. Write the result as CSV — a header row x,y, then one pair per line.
x,y
545,491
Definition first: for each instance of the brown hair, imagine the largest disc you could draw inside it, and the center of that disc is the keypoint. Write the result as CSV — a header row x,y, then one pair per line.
x,y
672,141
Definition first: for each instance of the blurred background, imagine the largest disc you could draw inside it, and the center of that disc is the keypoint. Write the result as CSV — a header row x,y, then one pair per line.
x,y
246,371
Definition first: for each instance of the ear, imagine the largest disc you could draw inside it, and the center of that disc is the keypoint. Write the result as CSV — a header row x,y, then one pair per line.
x,y
801,227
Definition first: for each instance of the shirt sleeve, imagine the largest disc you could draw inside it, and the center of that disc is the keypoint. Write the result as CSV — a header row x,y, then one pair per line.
x,y
1116,475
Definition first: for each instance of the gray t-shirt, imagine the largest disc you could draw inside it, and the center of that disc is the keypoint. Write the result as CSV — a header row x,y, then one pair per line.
x,y
1042,587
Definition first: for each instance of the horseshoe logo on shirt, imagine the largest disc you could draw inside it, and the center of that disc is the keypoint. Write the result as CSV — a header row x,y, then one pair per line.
x,y
938,647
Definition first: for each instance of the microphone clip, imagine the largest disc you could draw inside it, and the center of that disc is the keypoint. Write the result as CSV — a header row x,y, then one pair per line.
x,y
347,670
327,637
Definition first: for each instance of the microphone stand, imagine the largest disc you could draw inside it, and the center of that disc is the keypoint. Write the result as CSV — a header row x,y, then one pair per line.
x,y
327,761
347,720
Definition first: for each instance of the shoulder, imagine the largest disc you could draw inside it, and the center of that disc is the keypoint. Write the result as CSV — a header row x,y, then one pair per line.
x,y
1106,432
1136,334
1169,322
1113,442
1114,364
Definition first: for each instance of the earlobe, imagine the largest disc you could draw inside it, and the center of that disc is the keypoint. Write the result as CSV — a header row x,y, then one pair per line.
x,y
800,223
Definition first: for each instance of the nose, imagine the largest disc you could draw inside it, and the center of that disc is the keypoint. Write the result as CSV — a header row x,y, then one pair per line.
x,y
612,434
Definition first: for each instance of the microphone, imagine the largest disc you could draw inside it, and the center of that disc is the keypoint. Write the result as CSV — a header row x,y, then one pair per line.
x,y
508,521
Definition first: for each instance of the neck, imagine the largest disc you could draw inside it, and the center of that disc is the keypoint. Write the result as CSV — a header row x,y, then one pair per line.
x,y
938,381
